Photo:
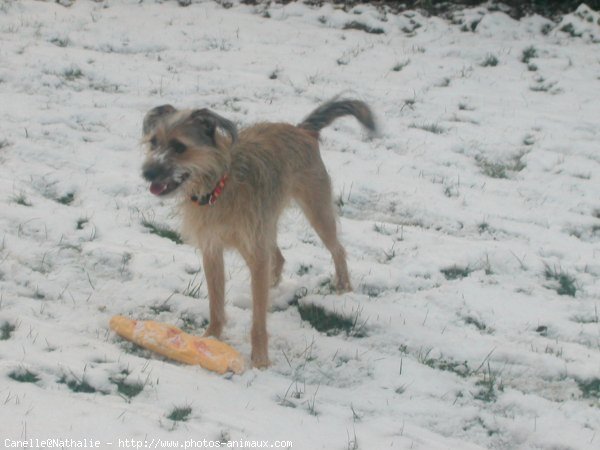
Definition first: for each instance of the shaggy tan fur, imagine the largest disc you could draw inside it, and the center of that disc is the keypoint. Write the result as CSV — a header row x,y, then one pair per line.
x,y
267,165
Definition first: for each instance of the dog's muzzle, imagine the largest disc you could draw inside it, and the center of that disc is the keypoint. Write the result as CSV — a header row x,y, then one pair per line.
x,y
162,181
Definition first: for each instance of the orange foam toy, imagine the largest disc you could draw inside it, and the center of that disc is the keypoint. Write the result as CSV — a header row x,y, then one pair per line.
x,y
173,343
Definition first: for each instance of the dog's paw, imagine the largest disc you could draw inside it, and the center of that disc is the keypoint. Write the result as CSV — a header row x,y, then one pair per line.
x,y
341,287
213,331
260,361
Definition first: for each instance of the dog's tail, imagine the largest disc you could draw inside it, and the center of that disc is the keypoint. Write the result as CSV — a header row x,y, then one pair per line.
x,y
328,112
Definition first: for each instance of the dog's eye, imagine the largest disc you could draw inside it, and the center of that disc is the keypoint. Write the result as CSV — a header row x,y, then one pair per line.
x,y
178,147
153,141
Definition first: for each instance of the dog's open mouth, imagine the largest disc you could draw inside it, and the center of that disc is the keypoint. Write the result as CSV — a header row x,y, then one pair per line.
x,y
159,188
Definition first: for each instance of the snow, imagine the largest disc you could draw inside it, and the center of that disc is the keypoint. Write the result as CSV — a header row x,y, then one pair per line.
x,y
493,170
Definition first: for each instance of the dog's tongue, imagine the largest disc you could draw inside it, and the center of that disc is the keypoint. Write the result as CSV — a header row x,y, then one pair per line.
x,y
157,188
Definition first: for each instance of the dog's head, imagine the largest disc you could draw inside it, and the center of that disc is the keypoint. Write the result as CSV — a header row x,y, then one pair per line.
x,y
182,146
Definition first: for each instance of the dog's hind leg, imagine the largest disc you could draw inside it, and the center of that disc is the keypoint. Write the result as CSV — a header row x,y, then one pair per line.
x,y
259,263
214,270
315,198
260,302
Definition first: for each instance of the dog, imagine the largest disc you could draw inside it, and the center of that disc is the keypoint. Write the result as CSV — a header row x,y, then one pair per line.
x,y
233,188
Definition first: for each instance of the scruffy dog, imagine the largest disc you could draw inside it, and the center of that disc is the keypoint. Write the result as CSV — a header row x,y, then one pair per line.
x,y
233,189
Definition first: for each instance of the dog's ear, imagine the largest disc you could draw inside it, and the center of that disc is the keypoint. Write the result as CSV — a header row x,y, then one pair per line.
x,y
154,115
210,121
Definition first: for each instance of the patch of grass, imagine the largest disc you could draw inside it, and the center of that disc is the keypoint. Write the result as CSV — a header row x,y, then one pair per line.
x,y
193,288
490,385
127,389
460,368
516,163
546,28
532,67
430,127
565,284
332,323
589,388
105,86
60,42
501,169
311,403
451,190
6,330
388,255
462,119
190,324
570,29
213,43
444,82
470,320
20,199
134,349
492,169
489,61
587,319
81,222
303,269
410,102
161,307
299,294
456,272
529,139
180,413
528,54
326,287
355,25
583,176
24,376
371,290
349,55
72,73
383,228
558,352
472,26
401,65
315,77
483,227
66,199
125,260
543,87
78,385
162,231
410,30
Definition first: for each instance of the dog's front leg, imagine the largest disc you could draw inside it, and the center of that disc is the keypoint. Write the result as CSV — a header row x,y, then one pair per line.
x,y
214,270
260,264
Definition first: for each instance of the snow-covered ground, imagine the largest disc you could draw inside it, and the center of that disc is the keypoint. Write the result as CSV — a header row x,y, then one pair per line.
x,y
468,223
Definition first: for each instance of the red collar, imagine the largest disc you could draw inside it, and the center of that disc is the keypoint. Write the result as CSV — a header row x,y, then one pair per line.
x,y
211,197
